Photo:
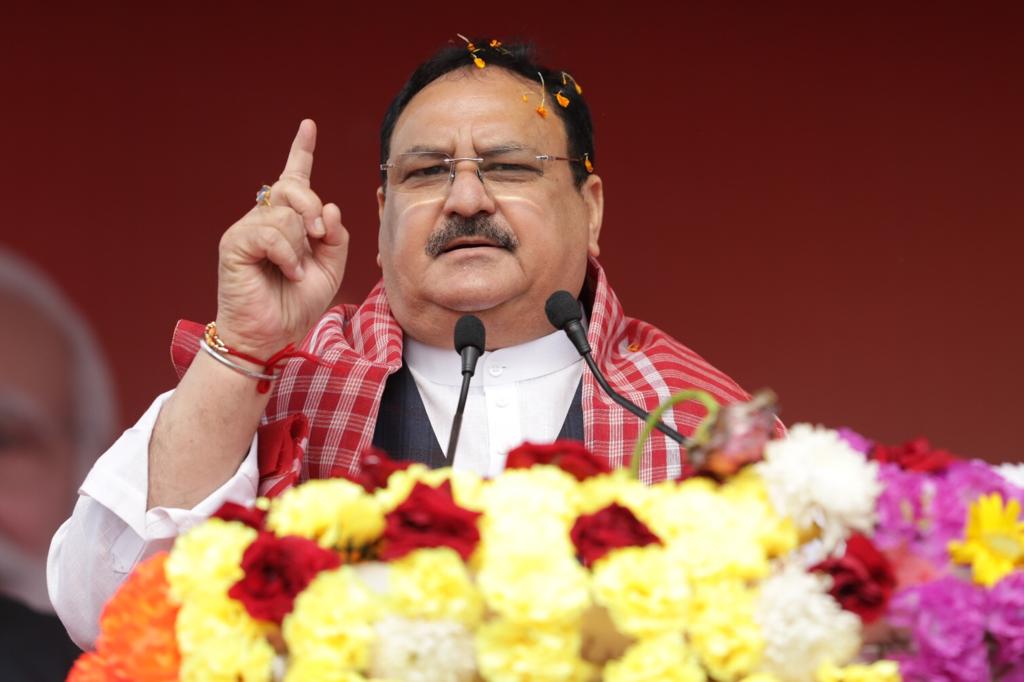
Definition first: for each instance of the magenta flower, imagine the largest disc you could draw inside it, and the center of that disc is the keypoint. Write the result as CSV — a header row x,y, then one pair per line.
x,y
946,622
1006,620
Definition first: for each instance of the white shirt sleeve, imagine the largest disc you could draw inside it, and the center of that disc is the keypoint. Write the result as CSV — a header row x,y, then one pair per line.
x,y
110,530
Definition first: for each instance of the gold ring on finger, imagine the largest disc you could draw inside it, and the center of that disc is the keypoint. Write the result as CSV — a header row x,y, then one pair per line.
x,y
263,196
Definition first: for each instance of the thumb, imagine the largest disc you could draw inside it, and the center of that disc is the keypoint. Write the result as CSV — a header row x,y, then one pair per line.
x,y
331,251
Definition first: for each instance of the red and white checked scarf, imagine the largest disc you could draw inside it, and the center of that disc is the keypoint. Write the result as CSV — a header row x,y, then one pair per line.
x,y
336,402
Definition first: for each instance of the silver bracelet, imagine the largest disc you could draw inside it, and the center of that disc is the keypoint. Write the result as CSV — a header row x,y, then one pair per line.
x,y
234,365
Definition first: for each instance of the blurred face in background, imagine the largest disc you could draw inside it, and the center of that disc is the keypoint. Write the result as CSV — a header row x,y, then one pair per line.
x,y
37,467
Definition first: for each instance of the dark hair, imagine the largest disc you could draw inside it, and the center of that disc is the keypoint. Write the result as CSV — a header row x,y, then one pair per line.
x,y
519,59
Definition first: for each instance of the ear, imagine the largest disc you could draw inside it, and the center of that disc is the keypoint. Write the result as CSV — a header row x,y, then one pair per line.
x,y
593,201
380,213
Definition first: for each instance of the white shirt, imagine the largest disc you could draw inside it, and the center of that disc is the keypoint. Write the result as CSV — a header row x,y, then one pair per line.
x,y
520,393
516,394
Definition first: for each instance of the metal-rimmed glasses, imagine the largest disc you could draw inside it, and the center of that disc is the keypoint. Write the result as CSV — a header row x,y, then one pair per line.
x,y
432,171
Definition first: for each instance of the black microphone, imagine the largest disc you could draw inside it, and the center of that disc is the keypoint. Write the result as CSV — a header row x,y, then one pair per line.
x,y
563,311
469,343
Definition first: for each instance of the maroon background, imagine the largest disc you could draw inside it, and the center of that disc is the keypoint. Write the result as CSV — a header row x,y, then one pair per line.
x,y
822,198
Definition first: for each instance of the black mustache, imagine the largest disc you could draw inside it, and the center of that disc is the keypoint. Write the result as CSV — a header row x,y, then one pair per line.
x,y
479,225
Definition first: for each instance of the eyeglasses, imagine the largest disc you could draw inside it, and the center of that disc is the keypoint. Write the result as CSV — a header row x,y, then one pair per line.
x,y
506,169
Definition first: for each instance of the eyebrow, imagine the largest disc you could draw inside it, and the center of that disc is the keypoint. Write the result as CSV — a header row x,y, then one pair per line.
x,y
493,149
21,411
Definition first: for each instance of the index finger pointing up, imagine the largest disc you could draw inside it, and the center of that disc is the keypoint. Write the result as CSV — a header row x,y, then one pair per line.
x,y
300,159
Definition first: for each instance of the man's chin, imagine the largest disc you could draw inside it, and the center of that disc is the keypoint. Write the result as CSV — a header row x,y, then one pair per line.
x,y
472,297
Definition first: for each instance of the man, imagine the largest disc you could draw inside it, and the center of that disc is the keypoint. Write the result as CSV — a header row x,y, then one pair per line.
x,y
488,205
56,412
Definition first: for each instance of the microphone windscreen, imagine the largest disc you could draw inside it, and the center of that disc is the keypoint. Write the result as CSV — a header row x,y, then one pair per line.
x,y
469,331
562,308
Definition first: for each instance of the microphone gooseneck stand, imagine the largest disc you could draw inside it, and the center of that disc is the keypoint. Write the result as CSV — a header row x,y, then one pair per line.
x,y
469,344
564,313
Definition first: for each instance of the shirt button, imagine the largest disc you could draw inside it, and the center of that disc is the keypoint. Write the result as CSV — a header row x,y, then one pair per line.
x,y
501,401
495,370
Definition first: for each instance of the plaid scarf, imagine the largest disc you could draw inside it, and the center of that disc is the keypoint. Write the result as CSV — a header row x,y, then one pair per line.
x,y
321,416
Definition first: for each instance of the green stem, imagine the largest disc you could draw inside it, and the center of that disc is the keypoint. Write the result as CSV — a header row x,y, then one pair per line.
x,y
702,397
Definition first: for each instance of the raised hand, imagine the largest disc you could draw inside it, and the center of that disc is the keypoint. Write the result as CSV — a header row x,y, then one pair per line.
x,y
281,265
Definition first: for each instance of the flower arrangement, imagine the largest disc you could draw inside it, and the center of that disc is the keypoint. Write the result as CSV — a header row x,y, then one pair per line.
x,y
818,557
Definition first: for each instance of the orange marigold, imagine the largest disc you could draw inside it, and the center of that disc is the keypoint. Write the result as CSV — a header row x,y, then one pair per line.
x,y
137,641
91,667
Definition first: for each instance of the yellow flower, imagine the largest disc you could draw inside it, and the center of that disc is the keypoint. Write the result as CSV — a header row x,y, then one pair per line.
x,y
672,509
777,534
761,677
535,587
694,516
332,623
660,659
321,670
221,642
336,513
597,492
723,630
207,560
467,487
434,584
881,671
993,540
535,538
550,493
643,591
507,652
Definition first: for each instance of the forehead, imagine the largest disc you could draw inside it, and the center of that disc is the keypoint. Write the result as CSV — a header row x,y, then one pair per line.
x,y
33,357
481,108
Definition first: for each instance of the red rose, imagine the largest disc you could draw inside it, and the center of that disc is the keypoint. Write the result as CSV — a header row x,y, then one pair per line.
x,y
375,468
914,455
276,570
569,455
614,526
250,516
862,579
429,517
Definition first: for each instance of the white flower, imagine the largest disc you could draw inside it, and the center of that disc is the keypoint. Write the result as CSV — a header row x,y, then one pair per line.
x,y
803,626
821,483
422,651
1013,473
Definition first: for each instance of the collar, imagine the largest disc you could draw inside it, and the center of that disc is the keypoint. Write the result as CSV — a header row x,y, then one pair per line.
x,y
529,360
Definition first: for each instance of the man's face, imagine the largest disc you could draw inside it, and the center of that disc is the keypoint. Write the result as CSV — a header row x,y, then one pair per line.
x,y
534,237
36,445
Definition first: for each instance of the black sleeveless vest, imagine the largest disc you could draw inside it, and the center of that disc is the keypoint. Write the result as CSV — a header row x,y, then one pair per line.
x,y
403,428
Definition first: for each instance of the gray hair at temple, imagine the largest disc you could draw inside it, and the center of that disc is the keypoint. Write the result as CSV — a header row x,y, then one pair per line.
x,y
93,404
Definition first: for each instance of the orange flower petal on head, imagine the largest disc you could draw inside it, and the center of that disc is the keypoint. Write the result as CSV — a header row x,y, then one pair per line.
x,y
542,111
579,90
586,163
479,62
562,99
495,43
526,97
